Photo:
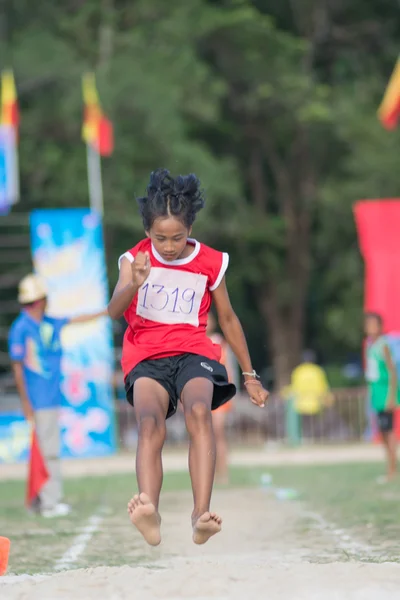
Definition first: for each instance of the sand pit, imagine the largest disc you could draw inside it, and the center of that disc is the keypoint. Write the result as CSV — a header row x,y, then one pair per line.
x,y
265,551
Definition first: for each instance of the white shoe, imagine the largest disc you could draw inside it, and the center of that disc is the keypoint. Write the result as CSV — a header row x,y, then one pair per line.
x,y
383,479
59,510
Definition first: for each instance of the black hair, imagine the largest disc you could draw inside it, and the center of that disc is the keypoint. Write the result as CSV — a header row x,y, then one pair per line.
x,y
376,316
179,197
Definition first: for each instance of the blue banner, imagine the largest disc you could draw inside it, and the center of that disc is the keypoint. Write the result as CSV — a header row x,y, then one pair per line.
x,y
15,438
9,184
68,252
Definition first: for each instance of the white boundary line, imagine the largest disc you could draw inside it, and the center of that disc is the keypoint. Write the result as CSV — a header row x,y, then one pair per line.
x,y
80,542
345,541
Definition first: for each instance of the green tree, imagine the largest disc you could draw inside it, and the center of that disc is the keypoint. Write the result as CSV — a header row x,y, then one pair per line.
x,y
272,104
278,121
300,118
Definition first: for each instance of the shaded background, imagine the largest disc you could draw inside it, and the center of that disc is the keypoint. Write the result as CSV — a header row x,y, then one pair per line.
x,y
272,104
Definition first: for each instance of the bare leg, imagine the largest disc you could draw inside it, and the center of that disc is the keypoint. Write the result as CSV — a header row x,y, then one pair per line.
x,y
393,453
391,450
221,471
151,405
196,400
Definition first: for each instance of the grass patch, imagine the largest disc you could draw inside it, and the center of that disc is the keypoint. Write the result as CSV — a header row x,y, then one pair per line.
x,y
347,495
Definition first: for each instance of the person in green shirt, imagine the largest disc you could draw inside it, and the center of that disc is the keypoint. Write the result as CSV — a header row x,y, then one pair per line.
x,y
381,376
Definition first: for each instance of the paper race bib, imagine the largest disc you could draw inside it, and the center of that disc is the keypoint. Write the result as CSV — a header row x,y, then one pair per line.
x,y
171,296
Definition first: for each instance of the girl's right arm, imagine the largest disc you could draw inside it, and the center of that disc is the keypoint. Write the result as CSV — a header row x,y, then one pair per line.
x,y
124,292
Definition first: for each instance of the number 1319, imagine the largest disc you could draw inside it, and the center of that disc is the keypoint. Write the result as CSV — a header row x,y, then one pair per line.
x,y
157,297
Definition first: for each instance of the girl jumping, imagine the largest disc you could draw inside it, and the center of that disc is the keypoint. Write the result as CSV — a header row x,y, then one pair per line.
x,y
165,288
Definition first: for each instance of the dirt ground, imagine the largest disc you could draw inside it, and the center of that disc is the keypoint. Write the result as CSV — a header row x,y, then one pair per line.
x,y
266,551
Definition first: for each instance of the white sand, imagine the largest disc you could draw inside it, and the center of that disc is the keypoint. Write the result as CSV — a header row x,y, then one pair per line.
x,y
263,553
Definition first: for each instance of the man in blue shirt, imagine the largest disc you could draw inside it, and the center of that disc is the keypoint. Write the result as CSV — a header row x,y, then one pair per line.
x,y
35,351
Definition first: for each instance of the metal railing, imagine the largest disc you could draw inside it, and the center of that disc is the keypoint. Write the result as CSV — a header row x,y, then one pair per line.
x,y
345,420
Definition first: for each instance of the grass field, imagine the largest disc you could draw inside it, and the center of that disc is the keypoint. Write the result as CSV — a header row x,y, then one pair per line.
x,y
345,495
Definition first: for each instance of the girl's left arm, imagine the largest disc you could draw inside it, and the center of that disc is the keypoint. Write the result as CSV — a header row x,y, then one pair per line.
x,y
234,335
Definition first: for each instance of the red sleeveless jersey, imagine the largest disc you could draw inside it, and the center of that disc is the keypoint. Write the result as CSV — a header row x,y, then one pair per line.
x,y
168,315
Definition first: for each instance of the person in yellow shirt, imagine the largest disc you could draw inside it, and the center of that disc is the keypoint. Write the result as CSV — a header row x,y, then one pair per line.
x,y
309,386
307,395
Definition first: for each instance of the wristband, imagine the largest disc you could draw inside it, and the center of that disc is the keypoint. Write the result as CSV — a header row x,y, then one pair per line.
x,y
252,374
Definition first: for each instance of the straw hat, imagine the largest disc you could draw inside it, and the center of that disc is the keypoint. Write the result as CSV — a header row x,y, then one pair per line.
x,y
30,289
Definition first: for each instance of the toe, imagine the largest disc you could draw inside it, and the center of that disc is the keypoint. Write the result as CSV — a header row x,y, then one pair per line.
x,y
216,518
144,499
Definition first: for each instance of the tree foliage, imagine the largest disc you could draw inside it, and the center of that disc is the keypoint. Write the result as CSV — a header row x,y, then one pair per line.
x,y
272,104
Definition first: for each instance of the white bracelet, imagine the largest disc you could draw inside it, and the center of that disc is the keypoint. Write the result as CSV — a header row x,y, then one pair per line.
x,y
253,374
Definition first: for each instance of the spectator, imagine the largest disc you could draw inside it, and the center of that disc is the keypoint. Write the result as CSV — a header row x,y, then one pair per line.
x,y
35,351
310,391
381,375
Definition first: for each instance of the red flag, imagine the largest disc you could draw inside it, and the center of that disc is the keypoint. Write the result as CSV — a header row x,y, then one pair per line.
x,y
38,473
97,129
105,139
9,103
389,110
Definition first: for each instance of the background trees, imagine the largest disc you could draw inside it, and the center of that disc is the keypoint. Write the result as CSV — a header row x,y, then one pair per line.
x,y
272,104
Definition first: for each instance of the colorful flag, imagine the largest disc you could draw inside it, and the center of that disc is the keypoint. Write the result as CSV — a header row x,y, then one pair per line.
x,y
97,130
9,184
38,473
389,110
9,104
9,121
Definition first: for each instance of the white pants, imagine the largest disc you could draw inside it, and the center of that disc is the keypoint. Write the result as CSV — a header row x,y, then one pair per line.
x,y
48,433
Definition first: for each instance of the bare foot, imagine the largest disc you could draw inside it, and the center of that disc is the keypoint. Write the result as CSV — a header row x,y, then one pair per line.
x,y
205,526
145,518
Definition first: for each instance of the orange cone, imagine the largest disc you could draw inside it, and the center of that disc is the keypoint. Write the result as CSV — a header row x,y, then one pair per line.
x,y
4,554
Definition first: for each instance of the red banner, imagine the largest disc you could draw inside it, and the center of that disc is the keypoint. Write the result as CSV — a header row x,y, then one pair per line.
x,y
378,225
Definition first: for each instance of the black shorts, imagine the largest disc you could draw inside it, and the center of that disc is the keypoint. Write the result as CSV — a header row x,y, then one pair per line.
x,y
174,372
385,421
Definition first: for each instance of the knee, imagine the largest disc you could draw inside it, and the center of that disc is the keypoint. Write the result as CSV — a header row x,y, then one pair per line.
x,y
151,428
198,414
